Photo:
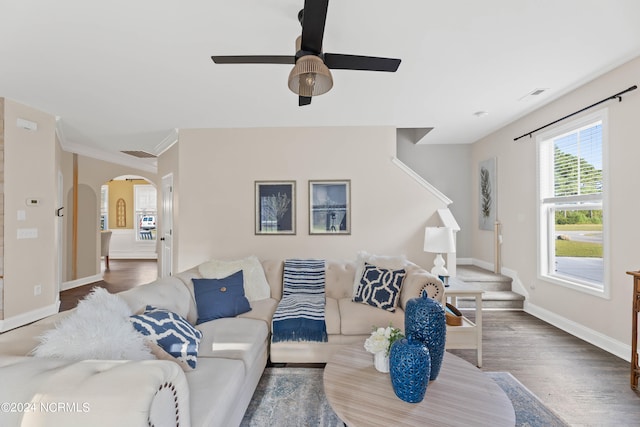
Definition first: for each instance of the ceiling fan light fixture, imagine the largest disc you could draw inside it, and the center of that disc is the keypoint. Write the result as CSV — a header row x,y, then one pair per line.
x,y
310,77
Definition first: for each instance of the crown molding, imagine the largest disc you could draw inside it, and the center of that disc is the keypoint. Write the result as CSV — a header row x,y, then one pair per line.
x,y
167,142
146,165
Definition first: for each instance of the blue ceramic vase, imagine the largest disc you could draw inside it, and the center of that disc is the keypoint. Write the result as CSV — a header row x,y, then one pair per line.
x,y
409,366
424,320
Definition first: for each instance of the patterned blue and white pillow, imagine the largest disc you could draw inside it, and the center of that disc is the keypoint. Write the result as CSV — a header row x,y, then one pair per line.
x,y
380,287
172,332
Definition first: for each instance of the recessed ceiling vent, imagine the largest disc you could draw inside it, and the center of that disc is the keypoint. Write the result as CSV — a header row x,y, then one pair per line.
x,y
534,93
140,154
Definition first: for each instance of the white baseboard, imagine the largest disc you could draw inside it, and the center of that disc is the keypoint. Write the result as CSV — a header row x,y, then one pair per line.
x,y
605,342
28,317
132,255
80,282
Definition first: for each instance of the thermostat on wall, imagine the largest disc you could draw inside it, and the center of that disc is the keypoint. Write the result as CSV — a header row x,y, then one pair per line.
x,y
33,202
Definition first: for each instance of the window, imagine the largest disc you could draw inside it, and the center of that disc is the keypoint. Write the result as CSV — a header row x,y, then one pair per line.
x,y
145,211
572,208
104,207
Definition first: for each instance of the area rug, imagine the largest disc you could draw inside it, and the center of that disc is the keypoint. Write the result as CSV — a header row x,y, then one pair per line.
x,y
530,411
293,397
290,397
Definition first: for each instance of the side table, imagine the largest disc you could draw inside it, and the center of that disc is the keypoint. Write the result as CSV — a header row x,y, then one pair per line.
x,y
469,334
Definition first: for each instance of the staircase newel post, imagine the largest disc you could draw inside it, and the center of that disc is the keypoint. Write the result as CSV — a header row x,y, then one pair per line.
x,y
497,268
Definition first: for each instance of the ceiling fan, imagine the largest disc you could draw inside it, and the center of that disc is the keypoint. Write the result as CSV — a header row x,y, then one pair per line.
x,y
310,75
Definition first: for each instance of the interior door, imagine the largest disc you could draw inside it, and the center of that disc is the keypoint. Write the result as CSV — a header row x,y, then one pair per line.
x,y
166,227
59,232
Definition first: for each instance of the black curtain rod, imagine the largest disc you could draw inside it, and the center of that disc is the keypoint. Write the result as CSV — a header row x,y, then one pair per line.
x,y
617,96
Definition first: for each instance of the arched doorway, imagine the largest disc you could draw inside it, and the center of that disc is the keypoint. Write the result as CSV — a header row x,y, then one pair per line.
x,y
128,208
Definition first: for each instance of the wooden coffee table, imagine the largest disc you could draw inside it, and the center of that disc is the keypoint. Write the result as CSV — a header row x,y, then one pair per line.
x,y
461,396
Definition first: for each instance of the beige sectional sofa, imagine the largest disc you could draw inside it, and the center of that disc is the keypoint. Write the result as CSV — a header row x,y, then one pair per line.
x,y
232,355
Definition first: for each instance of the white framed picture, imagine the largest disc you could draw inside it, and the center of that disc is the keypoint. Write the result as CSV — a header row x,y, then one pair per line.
x,y
330,207
488,202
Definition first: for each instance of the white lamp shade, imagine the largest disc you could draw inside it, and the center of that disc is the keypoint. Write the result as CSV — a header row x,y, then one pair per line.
x,y
439,240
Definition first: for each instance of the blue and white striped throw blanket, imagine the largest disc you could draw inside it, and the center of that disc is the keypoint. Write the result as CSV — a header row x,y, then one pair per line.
x,y
300,313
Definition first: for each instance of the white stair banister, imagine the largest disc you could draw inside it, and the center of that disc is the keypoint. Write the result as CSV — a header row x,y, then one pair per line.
x,y
447,219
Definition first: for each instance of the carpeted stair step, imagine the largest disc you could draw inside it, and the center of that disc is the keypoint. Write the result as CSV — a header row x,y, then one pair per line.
x,y
503,300
498,294
495,286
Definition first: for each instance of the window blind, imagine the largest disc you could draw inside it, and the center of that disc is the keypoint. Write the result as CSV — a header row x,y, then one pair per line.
x,y
578,162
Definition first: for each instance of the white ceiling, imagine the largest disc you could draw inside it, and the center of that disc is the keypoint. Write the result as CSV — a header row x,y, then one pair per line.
x,y
123,75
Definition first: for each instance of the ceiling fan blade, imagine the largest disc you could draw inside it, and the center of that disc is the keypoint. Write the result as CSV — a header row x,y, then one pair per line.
x,y
254,59
314,16
304,100
339,61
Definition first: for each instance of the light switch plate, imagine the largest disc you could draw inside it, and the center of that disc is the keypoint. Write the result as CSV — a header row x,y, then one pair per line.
x,y
27,233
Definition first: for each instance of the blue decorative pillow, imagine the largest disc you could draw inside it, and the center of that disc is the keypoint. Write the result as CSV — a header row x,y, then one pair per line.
x,y
172,332
380,287
217,298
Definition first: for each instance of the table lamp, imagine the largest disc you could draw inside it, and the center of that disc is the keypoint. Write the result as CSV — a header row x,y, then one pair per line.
x,y
439,240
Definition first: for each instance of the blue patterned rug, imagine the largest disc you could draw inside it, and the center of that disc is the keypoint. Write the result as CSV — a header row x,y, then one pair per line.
x,y
293,397
530,411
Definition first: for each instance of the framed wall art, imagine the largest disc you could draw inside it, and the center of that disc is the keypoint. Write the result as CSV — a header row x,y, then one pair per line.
x,y
275,207
330,207
487,194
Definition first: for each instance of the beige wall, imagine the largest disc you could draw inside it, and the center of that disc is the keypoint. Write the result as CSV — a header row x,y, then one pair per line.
x,y
2,208
122,190
448,168
30,172
215,192
602,321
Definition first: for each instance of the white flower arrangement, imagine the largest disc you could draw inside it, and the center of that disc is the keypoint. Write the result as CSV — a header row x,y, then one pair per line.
x,y
382,338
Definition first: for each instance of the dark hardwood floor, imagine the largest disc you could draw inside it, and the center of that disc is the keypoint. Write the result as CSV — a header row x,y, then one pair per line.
x,y
122,275
583,384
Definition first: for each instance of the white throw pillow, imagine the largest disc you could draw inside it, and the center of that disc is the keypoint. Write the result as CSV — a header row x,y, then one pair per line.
x,y
393,262
98,329
256,286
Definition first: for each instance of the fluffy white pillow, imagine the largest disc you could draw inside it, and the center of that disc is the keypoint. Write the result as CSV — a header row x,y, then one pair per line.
x,y
98,329
256,286
393,262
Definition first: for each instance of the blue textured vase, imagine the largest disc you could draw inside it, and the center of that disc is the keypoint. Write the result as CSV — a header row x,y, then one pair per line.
x,y
425,321
409,367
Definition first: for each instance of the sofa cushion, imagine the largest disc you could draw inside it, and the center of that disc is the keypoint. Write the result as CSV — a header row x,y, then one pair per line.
x,y
255,282
332,316
169,293
359,319
21,341
234,338
217,298
380,287
262,310
173,333
339,279
273,271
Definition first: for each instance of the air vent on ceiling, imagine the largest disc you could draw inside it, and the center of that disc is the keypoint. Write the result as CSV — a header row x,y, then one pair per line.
x,y
534,93
140,154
